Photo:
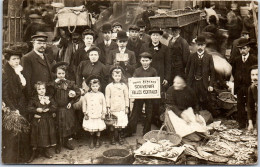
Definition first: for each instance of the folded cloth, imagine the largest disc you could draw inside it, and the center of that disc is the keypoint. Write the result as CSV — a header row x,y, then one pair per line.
x,y
183,128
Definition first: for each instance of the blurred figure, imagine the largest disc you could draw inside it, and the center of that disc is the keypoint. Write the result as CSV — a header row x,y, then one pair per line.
x,y
252,103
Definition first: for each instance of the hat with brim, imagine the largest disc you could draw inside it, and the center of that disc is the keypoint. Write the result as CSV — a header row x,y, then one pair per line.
x,y
243,42
117,24
88,32
92,77
57,5
244,32
39,37
140,23
134,27
62,63
122,36
35,16
11,52
200,40
93,48
106,28
118,68
155,30
146,55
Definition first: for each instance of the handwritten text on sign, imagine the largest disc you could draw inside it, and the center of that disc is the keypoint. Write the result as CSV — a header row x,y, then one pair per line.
x,y
144,88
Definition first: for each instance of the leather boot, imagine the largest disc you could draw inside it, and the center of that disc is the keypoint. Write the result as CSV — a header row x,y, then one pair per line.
x,y
58,149
98,142
120,139
68,144
91,145
46,153
32,156
113,142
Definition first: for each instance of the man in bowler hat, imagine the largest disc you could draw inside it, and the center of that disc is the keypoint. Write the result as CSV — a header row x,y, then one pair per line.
x,y
240,71
200,73
107,44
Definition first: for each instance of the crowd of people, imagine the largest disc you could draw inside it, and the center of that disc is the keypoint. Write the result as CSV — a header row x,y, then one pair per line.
x,y
72,93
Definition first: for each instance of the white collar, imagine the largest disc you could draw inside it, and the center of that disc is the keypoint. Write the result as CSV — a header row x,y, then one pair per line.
x,y
174,38
200,54
38,53
122,50
155,44
87,48
57,80
246,56
107,42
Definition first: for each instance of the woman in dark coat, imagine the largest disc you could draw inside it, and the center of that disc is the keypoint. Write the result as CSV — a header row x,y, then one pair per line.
x,y
13,84
92,67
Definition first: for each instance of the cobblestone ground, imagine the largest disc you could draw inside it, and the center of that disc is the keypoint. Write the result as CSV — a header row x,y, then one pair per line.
x,y
82,154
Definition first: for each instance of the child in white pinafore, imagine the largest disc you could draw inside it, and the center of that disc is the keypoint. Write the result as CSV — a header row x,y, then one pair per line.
x,y
117,103
94,109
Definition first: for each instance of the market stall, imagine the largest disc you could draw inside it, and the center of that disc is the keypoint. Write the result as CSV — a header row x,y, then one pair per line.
x,y
226,145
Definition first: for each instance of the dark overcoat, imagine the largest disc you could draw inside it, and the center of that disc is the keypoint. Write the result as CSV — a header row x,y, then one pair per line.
x,y
208,71
240,71
105,51
161,60
35,69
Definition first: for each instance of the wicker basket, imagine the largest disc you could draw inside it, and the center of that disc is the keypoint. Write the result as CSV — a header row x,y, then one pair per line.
x,y
176,18
224,104
117,156
163,135
110,119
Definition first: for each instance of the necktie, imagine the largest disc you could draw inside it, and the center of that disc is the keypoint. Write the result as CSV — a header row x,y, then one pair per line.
x,y
42,57
244,58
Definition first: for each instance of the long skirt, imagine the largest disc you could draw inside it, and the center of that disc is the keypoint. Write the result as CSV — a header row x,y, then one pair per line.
x,y
183,128
66,119
43,132
93,125
122,119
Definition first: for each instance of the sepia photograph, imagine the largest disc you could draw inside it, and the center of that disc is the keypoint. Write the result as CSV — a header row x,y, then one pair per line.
x,y
129,82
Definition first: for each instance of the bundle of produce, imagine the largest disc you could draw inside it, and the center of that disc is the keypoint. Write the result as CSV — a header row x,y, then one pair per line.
x,y
14,122
164,149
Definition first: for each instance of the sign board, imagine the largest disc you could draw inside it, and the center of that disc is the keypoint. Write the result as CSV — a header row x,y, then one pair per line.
x,y
144,88
121,57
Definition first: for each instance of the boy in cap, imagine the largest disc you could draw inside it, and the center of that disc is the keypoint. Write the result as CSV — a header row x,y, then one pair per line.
x,y
122,56
36,64
107,44
134,43
199,69
116,27
144,71
240,71
162,63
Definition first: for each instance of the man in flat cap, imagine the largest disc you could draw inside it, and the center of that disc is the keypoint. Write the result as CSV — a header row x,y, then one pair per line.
x,y
142,32
36,64
116,27
134,43
107,44
240,71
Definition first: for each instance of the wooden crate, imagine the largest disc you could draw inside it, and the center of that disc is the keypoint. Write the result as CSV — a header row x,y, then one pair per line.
x,y
176,18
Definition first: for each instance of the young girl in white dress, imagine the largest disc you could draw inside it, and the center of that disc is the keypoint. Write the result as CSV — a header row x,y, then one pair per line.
x,y
94,109
117,103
